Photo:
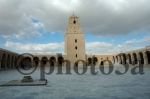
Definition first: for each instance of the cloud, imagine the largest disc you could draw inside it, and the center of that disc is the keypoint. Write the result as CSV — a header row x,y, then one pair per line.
x,y
15,22
99,17
107,48
50,47
97,47
143,40
91,47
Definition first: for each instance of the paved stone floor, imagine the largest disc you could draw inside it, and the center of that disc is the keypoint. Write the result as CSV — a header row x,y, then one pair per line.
x,y
76,86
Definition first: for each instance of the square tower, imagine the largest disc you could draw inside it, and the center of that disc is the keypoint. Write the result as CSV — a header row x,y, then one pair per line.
x,y
74,41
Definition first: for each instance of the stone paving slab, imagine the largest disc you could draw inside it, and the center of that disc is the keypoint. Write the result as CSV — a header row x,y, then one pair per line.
x,y
19,83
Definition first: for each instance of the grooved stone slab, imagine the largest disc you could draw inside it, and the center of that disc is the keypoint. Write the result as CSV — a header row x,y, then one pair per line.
x,y
19,83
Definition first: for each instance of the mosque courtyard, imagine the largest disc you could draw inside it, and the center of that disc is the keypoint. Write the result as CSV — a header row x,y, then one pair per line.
x,y
74,86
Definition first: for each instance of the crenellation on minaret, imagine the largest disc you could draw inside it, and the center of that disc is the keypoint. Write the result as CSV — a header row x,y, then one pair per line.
x,y
74,25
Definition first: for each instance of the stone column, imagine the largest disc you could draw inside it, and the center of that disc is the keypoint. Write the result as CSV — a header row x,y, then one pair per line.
x,y
145,60
138,59
127,59
39,63
119,60
115,59
132,60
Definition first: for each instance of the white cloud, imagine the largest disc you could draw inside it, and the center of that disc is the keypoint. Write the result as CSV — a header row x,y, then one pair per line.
x,y
142,40
97,47
131,41
50,47
106,48
91,47
110,48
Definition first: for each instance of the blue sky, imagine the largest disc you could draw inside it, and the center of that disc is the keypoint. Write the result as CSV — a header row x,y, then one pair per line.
x,y
109,26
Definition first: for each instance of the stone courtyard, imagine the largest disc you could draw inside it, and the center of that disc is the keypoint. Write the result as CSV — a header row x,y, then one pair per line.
x,y
74,86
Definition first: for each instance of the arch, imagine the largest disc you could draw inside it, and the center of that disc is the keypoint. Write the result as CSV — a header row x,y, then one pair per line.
x,y
148,56
135,58
3,63
36,61
26,63
8,61
74,22
129,58
89,61
52,61
95,60
141,57
44,61
60,60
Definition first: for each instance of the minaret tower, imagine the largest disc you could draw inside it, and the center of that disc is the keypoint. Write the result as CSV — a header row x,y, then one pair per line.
x,y
74,40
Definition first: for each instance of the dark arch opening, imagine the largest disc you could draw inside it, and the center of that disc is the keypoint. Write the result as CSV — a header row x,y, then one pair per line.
x,y
95,60
60,61
117,58
148,56
76,64
36,61
44,60
52,61
120,59
74,22
102,63
26,63
129,57
124,59
89,61
3,63
141,57
135,58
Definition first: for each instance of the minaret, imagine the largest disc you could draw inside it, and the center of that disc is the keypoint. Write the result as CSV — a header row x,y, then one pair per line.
x,y
74,40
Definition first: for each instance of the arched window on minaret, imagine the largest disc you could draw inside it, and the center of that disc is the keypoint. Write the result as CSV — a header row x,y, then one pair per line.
x,y
74,22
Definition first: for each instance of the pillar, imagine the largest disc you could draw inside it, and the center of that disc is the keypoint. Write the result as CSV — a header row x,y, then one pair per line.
x,y
132,60
145,60
138,59
39,63
122,59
